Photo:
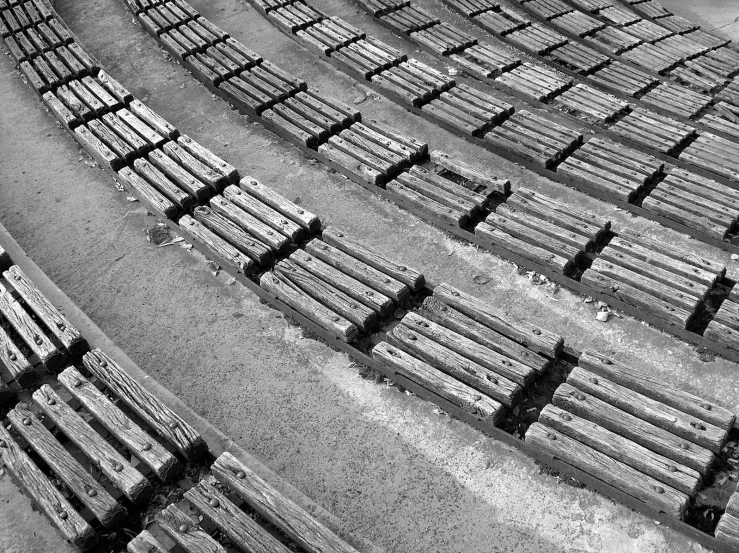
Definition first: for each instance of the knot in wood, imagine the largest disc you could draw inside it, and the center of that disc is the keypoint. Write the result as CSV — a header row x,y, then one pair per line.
x,y
214,503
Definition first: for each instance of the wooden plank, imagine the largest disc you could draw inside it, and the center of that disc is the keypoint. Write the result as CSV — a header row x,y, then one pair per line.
x,y
44,494
199,170
97,148
292,211
470,173
263,233
428,206
78,480
652,437
525,333
162,183
29,331
437,194
240,528
722,334
732,507
408,276
420,148
185,532
144,130
655,388
656,203
296,523
102,454
640,486
126,133
233,234
520,247
573,238
293,296
455,365
351,164
727,530
508,367
15,363
193,186
343,282
527,232
220,250
636,298
621,449
160,461
728,314
152,119
359,270
145,542
479,199
154,200
274,219
448,317
163,420
57,323
449,388
327,295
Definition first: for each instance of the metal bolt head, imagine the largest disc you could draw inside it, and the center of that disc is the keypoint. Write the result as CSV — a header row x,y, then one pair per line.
x,y
300,211
13,357
3,444
684,445
412,337
27,421
51,401
594,380
118,467
103,363
506,362
402,268
581,397
146,447
551,436
334,318
63,515
607,362
241,475
214,502
183,528
37,339
76,383
659,489
566,417
386,280
706,406
91,492
672,468
17,277
455,293
340,234
172,425
537,331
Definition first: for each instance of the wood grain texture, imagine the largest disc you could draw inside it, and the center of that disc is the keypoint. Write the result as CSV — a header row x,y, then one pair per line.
x,y
654,387
155,201
77,479
145,131
145,542
732,507
646,434
327,295
269,197
622,449
449,388
638,485
427,206
153,119
44,495
207,157
126,133
503,365
132,436
526,334
163,184
653,411
352,165
185,532
165,422
234,234
102,454
197,168
264,213
470,173
240,528
15,362
262,232
373,299
359,270
455,365
300,526
222,251
186,181
478,199
323,316
57,323
727,530
350,246
29,331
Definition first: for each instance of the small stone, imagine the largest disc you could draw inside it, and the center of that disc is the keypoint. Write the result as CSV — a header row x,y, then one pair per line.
x,y
603,316
734,257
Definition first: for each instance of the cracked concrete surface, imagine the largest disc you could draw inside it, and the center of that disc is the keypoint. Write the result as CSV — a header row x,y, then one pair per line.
x,y
387,464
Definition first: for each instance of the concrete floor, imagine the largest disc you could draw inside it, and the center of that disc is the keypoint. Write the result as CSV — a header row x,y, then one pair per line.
x,y
392,468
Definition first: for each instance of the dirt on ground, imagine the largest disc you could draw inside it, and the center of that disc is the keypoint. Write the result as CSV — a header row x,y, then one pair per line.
x,y
392,467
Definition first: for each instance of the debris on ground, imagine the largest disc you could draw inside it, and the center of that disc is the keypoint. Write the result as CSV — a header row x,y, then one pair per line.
x,y
603,316
158,234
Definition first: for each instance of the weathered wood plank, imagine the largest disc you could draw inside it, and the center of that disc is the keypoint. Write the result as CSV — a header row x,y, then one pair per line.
x,y
144,130
347,284
420,202
327,295
470,173
521,229
609,443
77,479
222,251
45,496
57,323
532,201
653,411
359,270
185,532
233,234
722,334
102,454
449,199
408,276
508,367
266,195
240,528
251,204
526,334
639,485
193,186
145,542
15,363
301,527
198,169
262,232
727,530
654,387
153,198
150,452
165,422
642,432
293,296
29,331
158,123
732,507
207,157
478,199
473,374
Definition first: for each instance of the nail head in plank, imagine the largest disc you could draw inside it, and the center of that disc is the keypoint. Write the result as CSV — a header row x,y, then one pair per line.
x,y
185,532
145,542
